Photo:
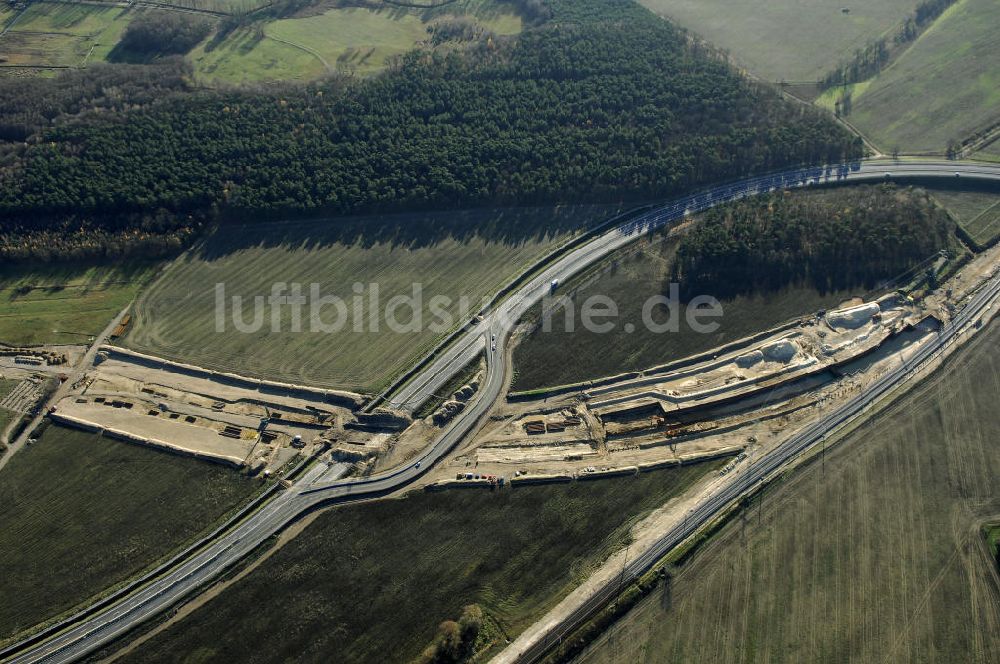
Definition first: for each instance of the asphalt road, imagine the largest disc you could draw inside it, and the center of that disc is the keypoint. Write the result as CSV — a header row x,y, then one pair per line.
x,y
90,629
437,372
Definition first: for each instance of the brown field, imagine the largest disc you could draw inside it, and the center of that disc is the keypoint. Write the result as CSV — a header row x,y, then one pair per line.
x,y
874,554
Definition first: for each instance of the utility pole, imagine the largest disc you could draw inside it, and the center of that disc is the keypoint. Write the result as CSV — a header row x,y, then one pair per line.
x,y
621,579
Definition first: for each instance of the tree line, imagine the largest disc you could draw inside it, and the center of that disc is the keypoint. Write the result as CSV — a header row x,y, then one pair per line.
x,y
834,240
157,33
604,102
868,61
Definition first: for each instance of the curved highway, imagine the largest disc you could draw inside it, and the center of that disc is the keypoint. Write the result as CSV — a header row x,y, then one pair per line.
x,y
92,628
437,372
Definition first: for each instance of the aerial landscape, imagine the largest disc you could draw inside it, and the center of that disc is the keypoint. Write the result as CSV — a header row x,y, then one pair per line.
x,y
510,331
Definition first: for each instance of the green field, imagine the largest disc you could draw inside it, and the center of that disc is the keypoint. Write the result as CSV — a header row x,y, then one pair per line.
x,y
989,153
354,39
874,555
224,6
992,533
299,48
453,254
245,57
82,513
945,87
67,303
978,212
59,34
371,583
785,39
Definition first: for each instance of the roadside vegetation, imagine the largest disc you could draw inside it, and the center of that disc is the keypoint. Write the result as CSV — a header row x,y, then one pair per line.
x,y
992,534
67,303
514,552
536,120
990,152
83,513
768,260
978,212
873,552
458,255
6,416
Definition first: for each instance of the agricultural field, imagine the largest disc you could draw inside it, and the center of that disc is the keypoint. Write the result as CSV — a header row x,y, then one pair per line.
x,y
978,212
992,532
56,34
944,87
453,254
83,513
298,48
65,304
5,415
873,552
515,552
785,40
559,356
355,39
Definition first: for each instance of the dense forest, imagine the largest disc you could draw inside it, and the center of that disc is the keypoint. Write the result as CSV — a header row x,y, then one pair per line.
x,y
838,239
603,101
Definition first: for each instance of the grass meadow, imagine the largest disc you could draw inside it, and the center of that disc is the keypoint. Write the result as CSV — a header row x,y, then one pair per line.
x,y
945,86
82,513
989,153
371,582
978,212
874,554
454,254
785,39
67,303
57,34
356,39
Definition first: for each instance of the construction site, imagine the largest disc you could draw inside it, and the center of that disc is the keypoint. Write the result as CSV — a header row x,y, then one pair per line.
x,y
736,400
238,421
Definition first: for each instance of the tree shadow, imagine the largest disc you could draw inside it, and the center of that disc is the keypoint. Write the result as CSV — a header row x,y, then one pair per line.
x,y
508,226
